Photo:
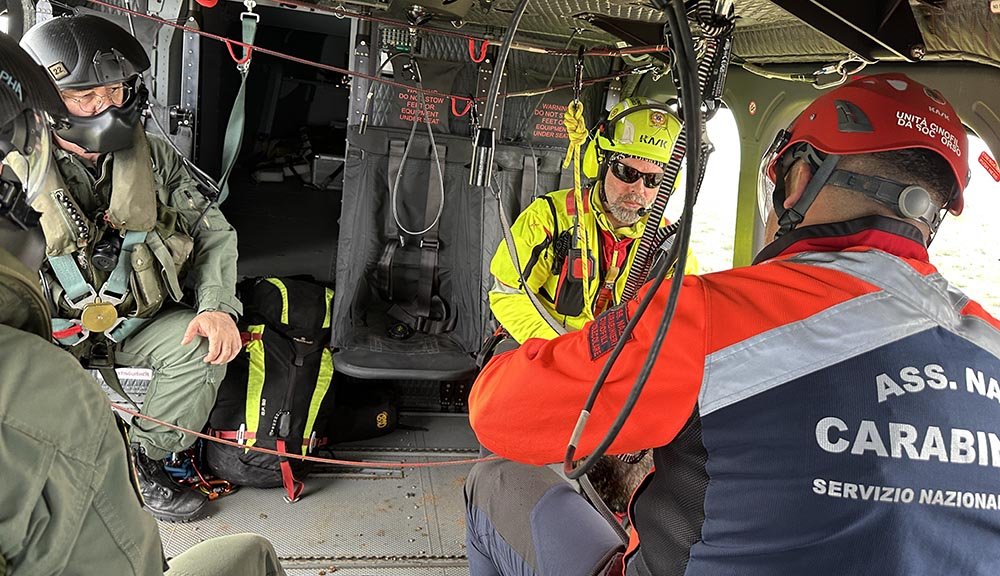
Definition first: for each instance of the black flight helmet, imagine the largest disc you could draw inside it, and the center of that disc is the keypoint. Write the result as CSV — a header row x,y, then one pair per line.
x,y
26,95
87,51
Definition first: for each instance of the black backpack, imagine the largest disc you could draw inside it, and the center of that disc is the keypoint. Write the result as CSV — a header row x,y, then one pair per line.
x,y
278,391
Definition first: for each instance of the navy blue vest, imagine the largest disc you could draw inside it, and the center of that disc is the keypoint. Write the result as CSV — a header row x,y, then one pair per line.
x,y
862,440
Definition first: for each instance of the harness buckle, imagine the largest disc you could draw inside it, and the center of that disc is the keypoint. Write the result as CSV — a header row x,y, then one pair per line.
x,y
88,298
75,328
110,332
99,316
110,297
432,244
241,434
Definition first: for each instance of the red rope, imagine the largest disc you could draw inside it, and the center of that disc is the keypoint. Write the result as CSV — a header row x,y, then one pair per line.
x,y
230,42
270,52
605,52
350,463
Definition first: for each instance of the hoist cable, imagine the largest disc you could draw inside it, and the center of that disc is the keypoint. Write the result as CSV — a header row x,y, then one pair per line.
x,y
680,33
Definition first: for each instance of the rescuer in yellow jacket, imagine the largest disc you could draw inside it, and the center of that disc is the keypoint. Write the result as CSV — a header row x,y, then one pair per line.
x,y
576,259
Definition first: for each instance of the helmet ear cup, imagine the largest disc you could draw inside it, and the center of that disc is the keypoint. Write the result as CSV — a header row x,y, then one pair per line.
x,y
591,158
914,202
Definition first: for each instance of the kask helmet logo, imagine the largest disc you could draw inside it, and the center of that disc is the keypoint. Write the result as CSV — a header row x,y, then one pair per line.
x,y
935,96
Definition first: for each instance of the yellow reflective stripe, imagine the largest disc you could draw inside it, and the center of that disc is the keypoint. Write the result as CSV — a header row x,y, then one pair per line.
x,y
322,385
329,298
255,381
284,298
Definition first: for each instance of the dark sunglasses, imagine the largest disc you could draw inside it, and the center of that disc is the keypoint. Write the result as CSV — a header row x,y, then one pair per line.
x,y
629,175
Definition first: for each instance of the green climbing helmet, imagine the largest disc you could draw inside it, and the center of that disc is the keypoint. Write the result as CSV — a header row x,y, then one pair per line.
x,y
637,127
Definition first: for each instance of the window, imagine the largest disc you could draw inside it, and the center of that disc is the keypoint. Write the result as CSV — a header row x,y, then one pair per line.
x,y
967,250
715,213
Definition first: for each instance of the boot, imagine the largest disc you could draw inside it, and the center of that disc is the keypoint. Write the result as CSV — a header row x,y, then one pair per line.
x,y
164,498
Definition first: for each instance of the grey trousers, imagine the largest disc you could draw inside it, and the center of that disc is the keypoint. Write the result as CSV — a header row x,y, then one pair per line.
x,y
526,520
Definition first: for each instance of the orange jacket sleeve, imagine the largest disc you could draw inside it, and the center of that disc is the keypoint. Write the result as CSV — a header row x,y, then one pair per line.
x,y
525,403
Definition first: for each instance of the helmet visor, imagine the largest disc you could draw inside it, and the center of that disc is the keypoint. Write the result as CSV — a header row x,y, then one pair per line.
x,y
766,174
31,158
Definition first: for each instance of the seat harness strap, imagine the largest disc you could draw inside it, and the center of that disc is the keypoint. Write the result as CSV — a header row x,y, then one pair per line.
x,y
237,117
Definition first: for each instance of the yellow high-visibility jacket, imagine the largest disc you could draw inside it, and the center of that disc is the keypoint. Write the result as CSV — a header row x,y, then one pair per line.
x,y
542,233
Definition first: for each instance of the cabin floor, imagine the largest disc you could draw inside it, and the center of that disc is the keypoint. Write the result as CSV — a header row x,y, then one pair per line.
x,y
361,521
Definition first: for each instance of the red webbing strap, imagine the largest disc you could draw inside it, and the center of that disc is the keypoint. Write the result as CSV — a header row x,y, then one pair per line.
x,y
71,331
292,486
248,337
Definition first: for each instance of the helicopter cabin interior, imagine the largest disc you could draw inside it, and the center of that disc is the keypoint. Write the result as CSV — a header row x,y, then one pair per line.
x,y
359,148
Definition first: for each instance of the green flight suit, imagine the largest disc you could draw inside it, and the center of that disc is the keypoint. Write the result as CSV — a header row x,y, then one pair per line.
x,y
67,505
183,387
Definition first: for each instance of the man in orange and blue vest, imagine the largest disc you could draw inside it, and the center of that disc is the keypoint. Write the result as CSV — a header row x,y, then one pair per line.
x,y
831,409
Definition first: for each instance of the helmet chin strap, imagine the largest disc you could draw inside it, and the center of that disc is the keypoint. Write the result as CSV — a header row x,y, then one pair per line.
x,y
908,201
822,168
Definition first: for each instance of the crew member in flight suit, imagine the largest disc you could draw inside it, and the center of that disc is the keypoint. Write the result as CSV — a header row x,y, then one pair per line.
x,y
67,505
125,228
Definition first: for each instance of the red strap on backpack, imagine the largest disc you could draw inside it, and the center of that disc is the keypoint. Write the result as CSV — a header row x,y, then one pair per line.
x,y
292,486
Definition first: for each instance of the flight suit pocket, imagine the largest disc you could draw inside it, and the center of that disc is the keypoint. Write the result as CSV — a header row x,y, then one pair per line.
x,y
180,246
147,287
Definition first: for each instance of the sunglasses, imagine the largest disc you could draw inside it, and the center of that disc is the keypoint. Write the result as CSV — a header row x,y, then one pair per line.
x,y
630,175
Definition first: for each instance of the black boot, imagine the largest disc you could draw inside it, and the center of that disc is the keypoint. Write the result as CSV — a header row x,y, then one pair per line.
x,y
164,498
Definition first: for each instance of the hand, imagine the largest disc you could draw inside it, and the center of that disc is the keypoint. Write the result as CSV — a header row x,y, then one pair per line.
x,y
223,336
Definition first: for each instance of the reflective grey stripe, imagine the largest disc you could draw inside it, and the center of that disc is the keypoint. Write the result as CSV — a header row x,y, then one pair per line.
x,y
908,304
502,288
899,279
778,356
